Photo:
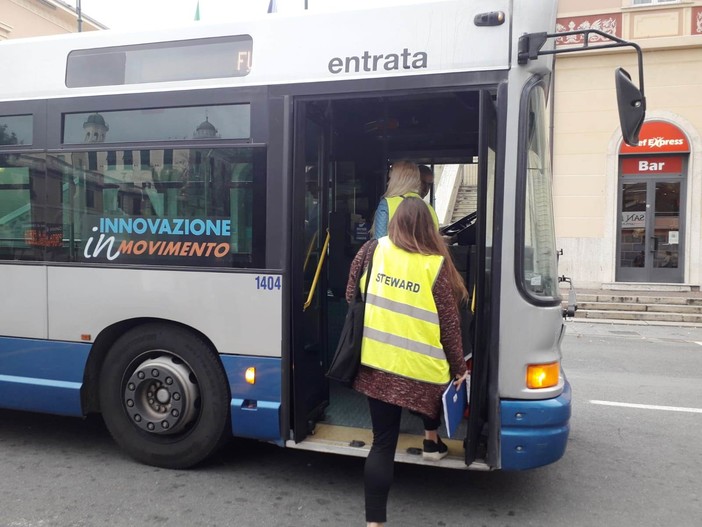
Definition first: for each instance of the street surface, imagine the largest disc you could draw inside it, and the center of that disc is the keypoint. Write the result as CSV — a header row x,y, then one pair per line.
x,y
634,459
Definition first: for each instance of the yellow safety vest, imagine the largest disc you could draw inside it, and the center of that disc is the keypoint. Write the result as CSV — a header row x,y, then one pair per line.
x,y
401,333
395,201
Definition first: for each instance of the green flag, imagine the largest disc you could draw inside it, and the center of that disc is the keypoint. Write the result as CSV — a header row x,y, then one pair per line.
x,y
197,11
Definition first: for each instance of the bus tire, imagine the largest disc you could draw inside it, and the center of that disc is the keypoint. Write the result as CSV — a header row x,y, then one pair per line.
x,y
164,396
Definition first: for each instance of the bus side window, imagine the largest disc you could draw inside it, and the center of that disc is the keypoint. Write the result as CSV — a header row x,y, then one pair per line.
x,y
142,208
23,231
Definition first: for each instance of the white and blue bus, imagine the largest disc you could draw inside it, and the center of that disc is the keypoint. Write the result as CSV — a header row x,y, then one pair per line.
x,y
179,209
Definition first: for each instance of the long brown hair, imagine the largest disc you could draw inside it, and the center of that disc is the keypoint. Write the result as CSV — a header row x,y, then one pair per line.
x,y
412,229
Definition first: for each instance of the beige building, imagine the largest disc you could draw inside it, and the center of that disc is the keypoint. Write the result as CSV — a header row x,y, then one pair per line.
x,y
630,217
31,18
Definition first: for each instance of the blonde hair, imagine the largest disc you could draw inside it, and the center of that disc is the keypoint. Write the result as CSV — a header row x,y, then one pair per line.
x,y
404,178
412,229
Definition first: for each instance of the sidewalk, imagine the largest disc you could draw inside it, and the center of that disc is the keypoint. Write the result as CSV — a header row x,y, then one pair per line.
x,y
612,322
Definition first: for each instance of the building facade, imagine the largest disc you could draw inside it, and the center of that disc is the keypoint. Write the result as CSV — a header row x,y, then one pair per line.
x,y
630,217
32,18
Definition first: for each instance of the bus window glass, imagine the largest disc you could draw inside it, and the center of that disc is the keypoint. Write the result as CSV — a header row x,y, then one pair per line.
x,y
232,121
205,58
186,206
539,249
23,232
16,130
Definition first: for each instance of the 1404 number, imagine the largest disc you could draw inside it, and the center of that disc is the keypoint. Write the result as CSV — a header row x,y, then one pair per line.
x,y
268,283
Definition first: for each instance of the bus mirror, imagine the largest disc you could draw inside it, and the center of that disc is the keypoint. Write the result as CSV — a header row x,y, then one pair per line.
x,y
632,106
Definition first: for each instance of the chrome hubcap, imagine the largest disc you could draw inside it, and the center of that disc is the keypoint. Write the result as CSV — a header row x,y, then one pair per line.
x,y
161,395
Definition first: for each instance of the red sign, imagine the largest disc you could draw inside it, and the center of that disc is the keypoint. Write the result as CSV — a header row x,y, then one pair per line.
x,y
658,137
652,165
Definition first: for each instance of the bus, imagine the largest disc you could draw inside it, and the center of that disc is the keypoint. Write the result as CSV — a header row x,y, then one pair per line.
x,y
179,208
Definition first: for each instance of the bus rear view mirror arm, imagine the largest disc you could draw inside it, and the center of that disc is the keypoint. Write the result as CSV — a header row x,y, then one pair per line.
x,y
631,101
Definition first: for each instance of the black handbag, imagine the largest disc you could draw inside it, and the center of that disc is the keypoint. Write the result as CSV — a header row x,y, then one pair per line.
x,y
347,358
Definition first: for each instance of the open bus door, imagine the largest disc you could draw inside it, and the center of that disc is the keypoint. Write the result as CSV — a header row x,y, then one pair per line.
x,y
474,251
310,389
483,425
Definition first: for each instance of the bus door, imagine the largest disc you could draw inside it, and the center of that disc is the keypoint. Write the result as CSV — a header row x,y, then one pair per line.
x,y
483,425
309,249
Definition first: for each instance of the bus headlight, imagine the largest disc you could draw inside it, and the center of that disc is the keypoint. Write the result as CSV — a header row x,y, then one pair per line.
x,y
542,375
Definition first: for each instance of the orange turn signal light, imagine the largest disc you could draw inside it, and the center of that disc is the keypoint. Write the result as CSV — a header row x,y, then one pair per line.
x,y
250,375
542,375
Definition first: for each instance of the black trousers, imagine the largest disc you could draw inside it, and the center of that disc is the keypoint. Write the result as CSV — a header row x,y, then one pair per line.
x,y
379,469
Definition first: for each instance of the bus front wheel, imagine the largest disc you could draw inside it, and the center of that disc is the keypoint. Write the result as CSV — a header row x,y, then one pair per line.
x,y
164,397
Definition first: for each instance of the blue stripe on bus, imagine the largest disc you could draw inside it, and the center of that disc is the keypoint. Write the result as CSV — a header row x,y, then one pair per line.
x,y
255,407
534,433
42,375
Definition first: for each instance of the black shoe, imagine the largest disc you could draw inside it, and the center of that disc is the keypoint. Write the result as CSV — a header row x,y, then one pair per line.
x,y
434,451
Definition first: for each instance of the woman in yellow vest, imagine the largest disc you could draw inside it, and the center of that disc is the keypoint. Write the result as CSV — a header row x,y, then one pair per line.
x,y
405,181
411,339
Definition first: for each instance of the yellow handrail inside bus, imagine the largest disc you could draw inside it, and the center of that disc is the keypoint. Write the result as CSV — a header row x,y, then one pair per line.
x,y
309,251
317,272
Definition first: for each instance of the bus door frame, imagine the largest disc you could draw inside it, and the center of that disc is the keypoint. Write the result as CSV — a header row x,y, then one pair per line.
x,y
484,417
309,386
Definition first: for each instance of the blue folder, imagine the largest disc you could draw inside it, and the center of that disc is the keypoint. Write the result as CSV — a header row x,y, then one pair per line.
x,y
455,401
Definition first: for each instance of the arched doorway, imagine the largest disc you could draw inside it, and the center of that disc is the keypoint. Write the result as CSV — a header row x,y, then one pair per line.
x,y
651,205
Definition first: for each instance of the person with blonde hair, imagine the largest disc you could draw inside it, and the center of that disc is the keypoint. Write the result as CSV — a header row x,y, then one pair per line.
x,y
411,347
405,180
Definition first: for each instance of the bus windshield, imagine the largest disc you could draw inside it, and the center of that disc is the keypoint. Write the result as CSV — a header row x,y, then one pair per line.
x,y
539,264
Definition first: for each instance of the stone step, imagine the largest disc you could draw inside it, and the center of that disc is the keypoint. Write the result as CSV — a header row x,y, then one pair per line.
x,y
628,299
638,315
625,306
661,305
644,288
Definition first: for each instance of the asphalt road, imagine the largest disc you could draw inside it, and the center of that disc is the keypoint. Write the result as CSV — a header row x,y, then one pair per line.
x,y
625,465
